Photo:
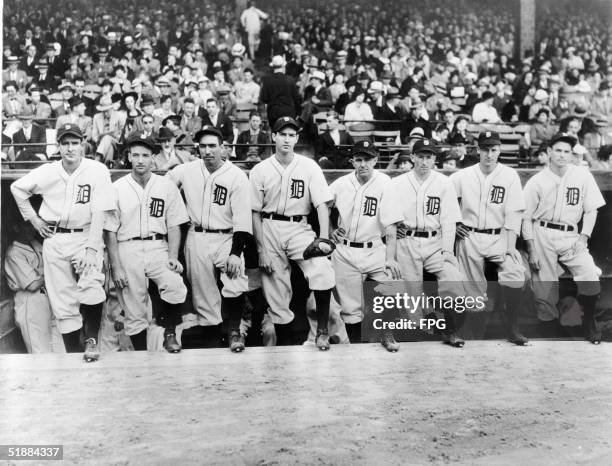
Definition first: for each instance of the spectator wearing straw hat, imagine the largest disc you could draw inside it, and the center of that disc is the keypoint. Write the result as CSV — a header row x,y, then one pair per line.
x,y
30,133
108,125
14,74
279,92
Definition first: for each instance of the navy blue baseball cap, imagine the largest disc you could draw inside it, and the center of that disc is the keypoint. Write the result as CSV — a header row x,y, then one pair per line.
x,y
69,129
282,122
364,148
139,140
488,139
424,146
207,129
565,137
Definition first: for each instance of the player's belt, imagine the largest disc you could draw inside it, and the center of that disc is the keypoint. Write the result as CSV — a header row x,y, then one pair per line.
x,y
557,226
352,244
57,229
282,218
154,237
421,234
200,229
487,231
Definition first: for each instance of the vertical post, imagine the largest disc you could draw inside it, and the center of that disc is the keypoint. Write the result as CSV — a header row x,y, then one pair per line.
x,y
527,18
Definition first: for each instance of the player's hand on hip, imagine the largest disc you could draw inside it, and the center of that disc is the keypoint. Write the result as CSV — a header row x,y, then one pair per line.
x,y
233,266
338,235
175,265
462,231
42,227
393,269
265,263
119,277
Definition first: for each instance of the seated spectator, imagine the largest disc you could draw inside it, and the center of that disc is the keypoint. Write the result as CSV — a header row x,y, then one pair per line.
x,y
358,110
541,158
484,112
401,160
440,133
146,128
600,135
459,134
337,88
30,133
542,130
40,108
319,98
540,102
413,120
12,102
77,117
390,111
219,120
603,161
190,123
165,109
147,105
173,123
253,135
247,90
169,156
107,128
449,161
601,104
331,153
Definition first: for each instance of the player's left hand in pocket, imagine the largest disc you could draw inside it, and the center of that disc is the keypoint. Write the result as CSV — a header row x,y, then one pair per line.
x,y
233,266
175,265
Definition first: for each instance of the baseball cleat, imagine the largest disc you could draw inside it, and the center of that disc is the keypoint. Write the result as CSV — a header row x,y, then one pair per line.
x,y
236,342
518,339
91,350
388,341
455,341
171,345
322,340
593,337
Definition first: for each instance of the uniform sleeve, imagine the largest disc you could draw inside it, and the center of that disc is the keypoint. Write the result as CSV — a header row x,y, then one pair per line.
x,y
334,188
27,186
450,215
593,199
456,180
257,190
532,200
104,198
515,204
319,188
174,175
241,204
177,212
19,272
390,212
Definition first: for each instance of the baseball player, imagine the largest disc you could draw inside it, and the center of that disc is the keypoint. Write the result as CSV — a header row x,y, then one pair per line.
x,y
218,200
283,188
491,200
425,220
143,239
557,199
360,252
23,266
76,192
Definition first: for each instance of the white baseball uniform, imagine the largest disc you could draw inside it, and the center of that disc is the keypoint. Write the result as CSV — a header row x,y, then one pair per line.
x,y
362,253
288,192
489,203
218,204
146,213
68,202
23,264
430,212
555,205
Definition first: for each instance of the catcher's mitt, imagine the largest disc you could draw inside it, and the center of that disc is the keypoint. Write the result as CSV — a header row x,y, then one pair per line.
x,y
319,247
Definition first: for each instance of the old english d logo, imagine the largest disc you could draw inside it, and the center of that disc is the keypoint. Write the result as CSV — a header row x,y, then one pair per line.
x,y
572,195
83,194
297,189
156,207
219,194
497,194
369,206
432,206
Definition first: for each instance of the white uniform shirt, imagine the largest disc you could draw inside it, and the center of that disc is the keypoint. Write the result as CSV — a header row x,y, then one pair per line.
x,y
490,201
359,206
143,212
288,191
68,200
216,201
425,206
563,199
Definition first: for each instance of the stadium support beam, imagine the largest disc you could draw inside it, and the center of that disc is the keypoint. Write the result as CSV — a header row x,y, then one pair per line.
x,y
527,16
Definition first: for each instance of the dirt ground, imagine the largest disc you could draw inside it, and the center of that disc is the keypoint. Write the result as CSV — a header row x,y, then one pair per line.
x,y
487,404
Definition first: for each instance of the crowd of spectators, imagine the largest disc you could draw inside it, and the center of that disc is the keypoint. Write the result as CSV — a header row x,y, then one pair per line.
x,y
405,67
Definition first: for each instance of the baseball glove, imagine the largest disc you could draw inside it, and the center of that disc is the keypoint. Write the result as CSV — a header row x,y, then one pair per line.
x,y
319,247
